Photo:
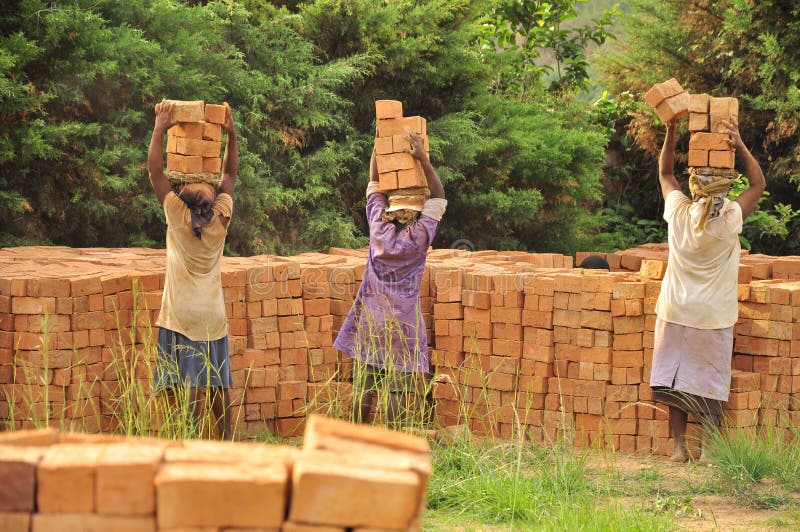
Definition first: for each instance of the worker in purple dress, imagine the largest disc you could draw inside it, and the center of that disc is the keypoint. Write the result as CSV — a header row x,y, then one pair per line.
x,y
384,331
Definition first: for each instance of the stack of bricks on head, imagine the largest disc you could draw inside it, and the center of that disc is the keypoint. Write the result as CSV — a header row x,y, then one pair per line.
x,y
707,147
397,169
195,142
518,341
345,478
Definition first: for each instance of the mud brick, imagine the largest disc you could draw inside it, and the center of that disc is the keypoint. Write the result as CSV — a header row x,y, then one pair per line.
x,y
187,111
595,319
699,121
190,130
653,269
412,177
721,159
724,107
329,492
33,305
203,148
18,477
401,126
184,164
661,91
698,103
387,181
628,324
212,165
673,107
393,162
66,478
388,109
125,475
92,523
212,132
214,113
709,141
15,521
384,145
200,495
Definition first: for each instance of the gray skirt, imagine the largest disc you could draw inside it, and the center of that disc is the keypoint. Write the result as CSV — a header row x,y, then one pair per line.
x,y
183,361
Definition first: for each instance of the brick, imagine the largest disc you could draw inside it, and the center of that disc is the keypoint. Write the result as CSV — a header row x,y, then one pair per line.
x,y
191,130
699,122
387,181
661,91
401,126
66,478
187,111
18,477
16,521
721,159
388,109
709,141
184,164
698,103
202,148
393,162
212,132
329,492
673,107
212,165
125,476
33,305
723,107
384,145
92,523
411,178
202,494
215,113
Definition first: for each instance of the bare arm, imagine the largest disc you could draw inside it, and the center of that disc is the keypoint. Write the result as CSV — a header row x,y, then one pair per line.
x,y
748,199
666,163
230,164
155,155
373,168
418,151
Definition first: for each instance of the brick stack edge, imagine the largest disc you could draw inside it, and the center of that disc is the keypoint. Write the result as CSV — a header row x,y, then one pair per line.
x,y
340,480
517,339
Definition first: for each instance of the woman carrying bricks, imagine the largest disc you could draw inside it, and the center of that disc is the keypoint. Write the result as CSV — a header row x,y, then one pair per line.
x,y
384,330
697,307
193,334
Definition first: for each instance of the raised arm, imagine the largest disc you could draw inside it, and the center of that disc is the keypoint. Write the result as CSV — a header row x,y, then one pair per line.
x,y
418,151
155,155
666,162
748,199
230,164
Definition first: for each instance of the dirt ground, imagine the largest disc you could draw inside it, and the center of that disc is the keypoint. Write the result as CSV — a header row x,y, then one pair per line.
x,y
695,495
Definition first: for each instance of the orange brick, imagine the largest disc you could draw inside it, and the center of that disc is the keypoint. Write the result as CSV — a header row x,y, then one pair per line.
x,y
92,522
199,495
392,162
383,145
215,113
661,91
709,141
184,164
191,130
401,126
212,165
66,478
673,107
699,121
387,181
698,103
388,109
187,111
199,147
411,178
18,477
212,131
721,159
125,475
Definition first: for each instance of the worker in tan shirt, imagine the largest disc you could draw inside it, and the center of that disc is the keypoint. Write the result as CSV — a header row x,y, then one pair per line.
x,y
697,306
193,334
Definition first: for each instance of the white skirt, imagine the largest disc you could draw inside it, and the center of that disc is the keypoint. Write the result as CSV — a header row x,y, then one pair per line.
x,y
695,361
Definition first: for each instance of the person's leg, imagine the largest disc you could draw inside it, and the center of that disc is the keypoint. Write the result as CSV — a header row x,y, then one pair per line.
x,y
364,394
678,420
221,407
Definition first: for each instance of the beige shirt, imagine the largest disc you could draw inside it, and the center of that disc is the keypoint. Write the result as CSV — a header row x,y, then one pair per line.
x,y
193,304
699,286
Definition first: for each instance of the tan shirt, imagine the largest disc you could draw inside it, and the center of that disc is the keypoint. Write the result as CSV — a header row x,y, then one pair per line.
x,y
699,286
193,304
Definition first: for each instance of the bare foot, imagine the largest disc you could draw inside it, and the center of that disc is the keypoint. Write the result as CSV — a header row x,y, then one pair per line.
x,y
704,458
680,455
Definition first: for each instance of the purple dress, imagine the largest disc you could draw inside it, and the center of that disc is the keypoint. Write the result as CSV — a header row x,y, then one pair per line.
x,y
384,326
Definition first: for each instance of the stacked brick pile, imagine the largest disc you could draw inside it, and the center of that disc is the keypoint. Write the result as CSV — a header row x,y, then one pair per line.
x,y
707,148
397,169
195,142
339,481
668,99
517,339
